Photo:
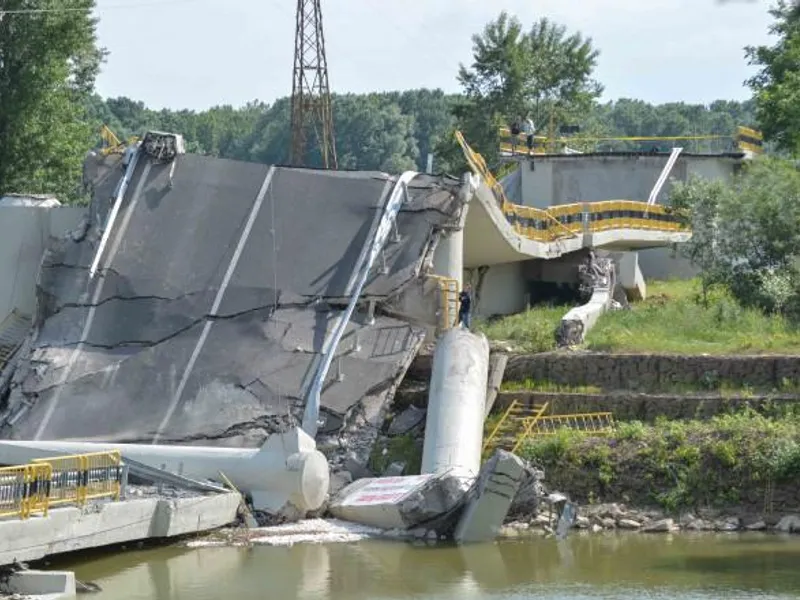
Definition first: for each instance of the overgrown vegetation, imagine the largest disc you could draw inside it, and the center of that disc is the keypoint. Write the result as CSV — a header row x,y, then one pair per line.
x,y
676,318
48,63
402,448
746,234
49,118
729,460
530,331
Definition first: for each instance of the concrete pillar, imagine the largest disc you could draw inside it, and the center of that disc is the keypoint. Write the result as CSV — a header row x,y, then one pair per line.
x,y
631,278
448,259
456,404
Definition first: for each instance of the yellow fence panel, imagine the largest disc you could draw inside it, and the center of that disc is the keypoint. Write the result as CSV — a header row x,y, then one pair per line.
x,y
24,490
83,477
448,301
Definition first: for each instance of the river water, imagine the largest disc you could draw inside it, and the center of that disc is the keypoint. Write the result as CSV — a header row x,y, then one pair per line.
x,y
627,567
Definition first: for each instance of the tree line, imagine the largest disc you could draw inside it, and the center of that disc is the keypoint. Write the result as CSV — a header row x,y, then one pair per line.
x,y
393,131
50,115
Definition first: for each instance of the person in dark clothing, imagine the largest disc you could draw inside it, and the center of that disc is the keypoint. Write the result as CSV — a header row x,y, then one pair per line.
x,y
464,307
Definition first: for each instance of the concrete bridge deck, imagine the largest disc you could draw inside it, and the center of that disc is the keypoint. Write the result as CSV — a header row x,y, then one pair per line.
x,y
501,233
222,281
214,298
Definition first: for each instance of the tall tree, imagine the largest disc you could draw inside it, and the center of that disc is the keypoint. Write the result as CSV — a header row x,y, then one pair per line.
x,y
777,84
544,72
48,65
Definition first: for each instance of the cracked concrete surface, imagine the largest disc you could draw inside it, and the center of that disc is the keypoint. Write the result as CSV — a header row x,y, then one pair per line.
x,y
182,337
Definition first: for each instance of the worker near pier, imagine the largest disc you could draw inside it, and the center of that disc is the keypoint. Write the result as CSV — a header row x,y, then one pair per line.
x,y
465,307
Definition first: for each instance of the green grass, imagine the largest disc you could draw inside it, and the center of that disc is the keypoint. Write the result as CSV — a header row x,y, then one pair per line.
x,y
726,461
530,331
672,320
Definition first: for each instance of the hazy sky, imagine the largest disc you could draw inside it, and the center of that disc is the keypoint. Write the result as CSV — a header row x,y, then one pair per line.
x,y
198,53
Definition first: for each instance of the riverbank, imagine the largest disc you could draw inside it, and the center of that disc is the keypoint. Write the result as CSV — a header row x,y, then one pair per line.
x,y
613,518
745,462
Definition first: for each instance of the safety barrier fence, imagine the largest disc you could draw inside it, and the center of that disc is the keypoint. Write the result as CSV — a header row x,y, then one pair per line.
x,y
744,140
572,220
520,423
35,488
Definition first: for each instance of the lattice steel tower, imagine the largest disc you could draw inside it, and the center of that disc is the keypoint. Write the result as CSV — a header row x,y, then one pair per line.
x,y
311,95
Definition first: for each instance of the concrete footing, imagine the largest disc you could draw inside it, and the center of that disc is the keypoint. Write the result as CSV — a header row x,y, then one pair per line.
x,y
497,485
398,502
72,529
40,585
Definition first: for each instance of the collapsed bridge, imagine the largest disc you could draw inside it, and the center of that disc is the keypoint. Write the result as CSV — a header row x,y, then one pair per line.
x,y
217,289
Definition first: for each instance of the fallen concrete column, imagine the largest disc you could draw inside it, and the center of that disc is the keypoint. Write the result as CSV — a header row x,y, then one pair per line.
x,y
598,276
287,476
456,404
497,486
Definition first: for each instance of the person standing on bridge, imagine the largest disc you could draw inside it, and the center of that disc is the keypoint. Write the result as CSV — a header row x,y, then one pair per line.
x,y
529,129
464,307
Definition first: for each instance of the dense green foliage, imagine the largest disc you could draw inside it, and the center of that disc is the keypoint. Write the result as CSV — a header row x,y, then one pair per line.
x,y
746,234
49,119
391,130
675,318
777,84
729,460
48,64
543,73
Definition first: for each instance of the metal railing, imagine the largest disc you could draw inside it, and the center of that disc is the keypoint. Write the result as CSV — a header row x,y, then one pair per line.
x,y
24,490
448,301
83,477
34,488
597,423
570,220
744,139
519,423
386,226
510,430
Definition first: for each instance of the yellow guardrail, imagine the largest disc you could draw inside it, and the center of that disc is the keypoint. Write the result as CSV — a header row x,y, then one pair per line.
x,y
83,477
23,490
597,423
570,220
448,301
745,139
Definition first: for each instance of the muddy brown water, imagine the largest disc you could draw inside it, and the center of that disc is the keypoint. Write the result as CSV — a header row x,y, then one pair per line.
x,y
634,567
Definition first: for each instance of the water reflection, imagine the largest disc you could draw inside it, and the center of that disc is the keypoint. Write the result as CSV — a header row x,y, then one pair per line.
x,y
579,567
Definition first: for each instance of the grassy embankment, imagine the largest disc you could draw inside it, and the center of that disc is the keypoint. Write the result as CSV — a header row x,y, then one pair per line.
x,y
671,320
727,461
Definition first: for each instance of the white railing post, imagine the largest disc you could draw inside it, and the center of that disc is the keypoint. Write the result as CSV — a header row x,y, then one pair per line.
x,y
396,199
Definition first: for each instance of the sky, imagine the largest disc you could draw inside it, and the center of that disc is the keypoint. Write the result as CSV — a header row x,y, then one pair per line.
x,y
200,53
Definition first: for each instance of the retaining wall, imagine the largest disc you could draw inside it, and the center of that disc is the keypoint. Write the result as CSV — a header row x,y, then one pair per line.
x,y
654,371
648,407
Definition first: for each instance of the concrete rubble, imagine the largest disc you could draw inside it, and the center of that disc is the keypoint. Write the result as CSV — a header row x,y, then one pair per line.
x,y
402,503
497,486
